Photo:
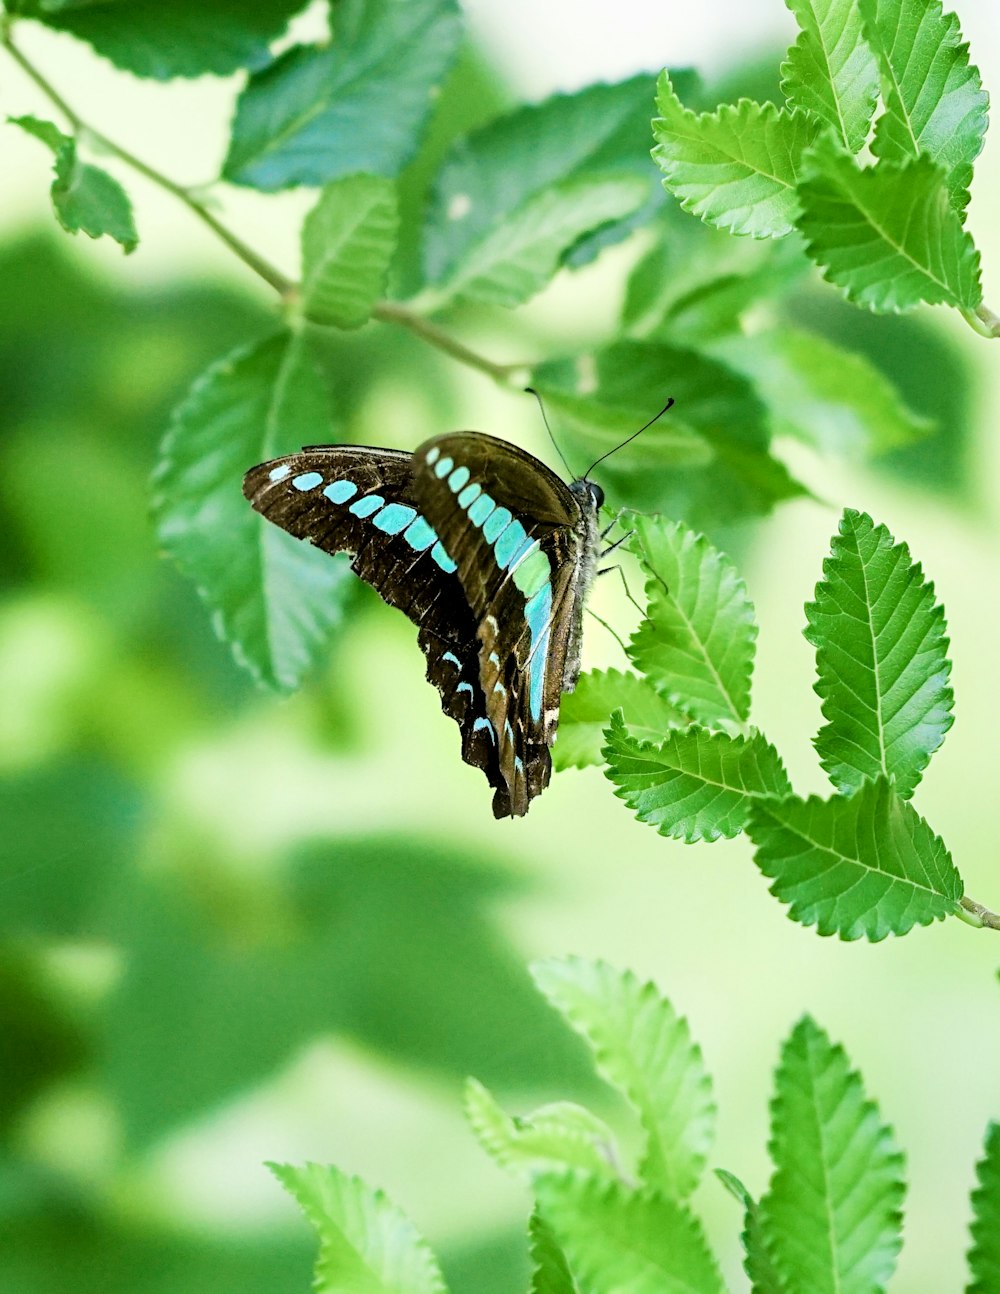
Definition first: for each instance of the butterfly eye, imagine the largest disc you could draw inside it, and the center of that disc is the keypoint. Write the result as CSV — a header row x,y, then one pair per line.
x,y
596,493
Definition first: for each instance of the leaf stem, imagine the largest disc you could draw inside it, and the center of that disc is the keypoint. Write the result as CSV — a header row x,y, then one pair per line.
x,y
983,321
976,915
393,312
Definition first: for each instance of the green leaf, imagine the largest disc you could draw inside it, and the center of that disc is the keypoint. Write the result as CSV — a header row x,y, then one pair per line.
x,y
832,1216
550,1272
697,641
274,599
935,104
867,865
517,258
881,654
347,243
585,712
367,1245
554,1137
84,197
696,785
643,1048
618,1240
830,71
831,398
319,113
492,173
757,1262
887,235
984,1256
737,168
182,38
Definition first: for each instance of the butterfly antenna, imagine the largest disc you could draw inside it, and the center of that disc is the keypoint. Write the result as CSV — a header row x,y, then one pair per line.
x,y
629,439
530,390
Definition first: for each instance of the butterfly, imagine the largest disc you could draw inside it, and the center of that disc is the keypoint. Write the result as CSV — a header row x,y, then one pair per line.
x,y
487,551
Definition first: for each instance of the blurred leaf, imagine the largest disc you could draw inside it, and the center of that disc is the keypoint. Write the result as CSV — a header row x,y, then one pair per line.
x,y
757,1262
84,197
696,785
493,172
347,243
274,598
697,641
366,1243
830,70
619,1240
322,112
865,866
888,236
643,1048
881,656
551,1273
585,712
935,104
832,398
517,258
832,1217
736,168
552,1138
984,1256
181,38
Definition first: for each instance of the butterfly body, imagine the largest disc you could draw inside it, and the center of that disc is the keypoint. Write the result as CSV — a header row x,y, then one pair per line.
x,y
487,551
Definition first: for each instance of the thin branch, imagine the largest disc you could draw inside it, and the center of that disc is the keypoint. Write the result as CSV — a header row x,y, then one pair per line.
x,y
983,320
393,312
976,915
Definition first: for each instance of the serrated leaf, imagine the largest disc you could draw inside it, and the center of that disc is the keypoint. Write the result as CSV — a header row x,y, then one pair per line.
x,y
830,71
828,397
182,38
360,104
644,1049
737,168
553,1138
347,243
832,1216
84,197
935,104
367,1245
618,1240
491,173
550,1273
274,599
585,712
888,236
517,258
865,866
984,1256
696,785
757,1263
882,659
697,641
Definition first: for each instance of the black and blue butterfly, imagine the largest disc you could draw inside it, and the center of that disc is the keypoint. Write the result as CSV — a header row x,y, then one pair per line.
x,y
487,551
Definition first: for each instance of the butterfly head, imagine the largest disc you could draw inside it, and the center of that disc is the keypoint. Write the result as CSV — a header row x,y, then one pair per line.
x,y
588,493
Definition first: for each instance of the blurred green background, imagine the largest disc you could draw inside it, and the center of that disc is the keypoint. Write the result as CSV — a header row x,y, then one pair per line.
x,y
235,929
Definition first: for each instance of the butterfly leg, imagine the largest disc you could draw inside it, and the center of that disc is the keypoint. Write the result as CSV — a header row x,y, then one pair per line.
x,y
618,543
606,570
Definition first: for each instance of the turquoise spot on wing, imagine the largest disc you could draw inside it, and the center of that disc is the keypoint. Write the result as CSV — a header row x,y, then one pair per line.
x,y
538,613
520,553
442,558
341,491
433,454
485,723
458,478
532,572
481,509
470,492
419,535
444,467
307,480
394,517
367,505
496,524
509,543
519,767
465,687
450,655
278,473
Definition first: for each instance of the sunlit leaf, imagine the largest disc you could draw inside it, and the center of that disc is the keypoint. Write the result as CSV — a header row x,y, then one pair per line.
x,y
347,243
861,866
887,235
696,785
645,1049
550,1272
882,659
367,1244
584,714
832,1217
984,1256
757,1261
830,70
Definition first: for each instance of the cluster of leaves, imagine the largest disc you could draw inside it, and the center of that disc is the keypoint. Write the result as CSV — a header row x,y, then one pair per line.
x,y
830,1218
862,863
890,235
